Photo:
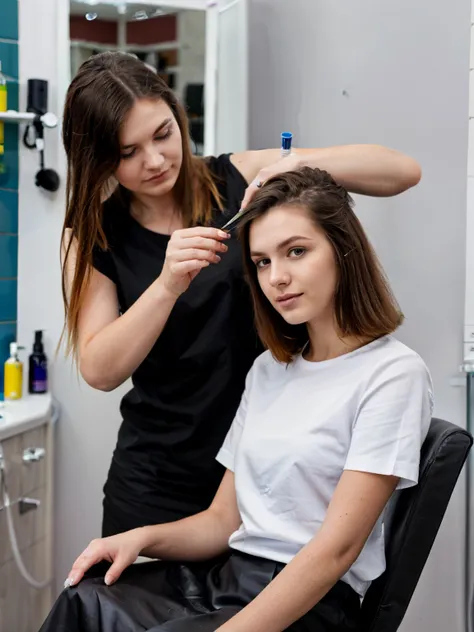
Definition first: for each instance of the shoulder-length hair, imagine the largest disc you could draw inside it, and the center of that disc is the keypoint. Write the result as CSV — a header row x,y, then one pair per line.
x,y
363,302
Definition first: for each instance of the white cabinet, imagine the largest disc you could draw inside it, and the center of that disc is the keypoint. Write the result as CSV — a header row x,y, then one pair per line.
x,y
27,462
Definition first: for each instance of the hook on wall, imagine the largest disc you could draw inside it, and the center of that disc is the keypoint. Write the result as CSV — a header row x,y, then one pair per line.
x,y
37,104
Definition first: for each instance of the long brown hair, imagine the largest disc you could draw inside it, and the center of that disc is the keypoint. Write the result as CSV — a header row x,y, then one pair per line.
x,y
97,102
364,304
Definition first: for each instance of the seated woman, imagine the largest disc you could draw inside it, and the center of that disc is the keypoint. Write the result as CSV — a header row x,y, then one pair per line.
x,y
330,424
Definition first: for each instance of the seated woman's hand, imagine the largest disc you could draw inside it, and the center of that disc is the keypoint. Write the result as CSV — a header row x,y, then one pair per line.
x,y
121,550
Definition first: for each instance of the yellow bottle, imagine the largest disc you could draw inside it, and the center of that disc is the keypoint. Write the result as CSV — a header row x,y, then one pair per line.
x,y
13,374
3,108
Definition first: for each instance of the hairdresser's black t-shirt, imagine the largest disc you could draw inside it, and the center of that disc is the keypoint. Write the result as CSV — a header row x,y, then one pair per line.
x,y
187,390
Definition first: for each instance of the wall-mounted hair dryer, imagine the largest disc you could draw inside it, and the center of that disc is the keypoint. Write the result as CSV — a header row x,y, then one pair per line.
x,y
37,103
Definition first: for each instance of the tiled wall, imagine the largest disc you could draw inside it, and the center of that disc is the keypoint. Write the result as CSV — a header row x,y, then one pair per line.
x,y
9,185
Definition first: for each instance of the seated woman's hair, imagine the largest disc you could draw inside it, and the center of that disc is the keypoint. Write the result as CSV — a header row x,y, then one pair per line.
x,y
364,305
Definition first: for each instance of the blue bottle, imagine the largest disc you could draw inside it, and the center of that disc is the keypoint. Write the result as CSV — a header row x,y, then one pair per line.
x,y
38,367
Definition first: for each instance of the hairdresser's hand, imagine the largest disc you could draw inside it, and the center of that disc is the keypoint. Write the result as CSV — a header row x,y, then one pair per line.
x,y
290,163
189,251
121,550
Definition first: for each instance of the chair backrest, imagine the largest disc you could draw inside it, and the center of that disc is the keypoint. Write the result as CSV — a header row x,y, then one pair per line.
x,y
194,99
412,523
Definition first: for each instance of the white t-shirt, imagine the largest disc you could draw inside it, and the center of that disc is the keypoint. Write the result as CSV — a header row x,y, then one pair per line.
x,y
300,425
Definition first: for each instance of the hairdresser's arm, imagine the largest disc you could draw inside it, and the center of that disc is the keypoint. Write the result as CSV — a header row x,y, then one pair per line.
x,y
356,505
110,346
367,169
199,537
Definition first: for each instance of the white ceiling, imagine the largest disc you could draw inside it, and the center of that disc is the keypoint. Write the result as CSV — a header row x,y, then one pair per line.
x,y
109,10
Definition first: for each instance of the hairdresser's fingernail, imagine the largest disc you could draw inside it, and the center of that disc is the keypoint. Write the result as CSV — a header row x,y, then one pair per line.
x,y
107,580
223,234
217,259
68,583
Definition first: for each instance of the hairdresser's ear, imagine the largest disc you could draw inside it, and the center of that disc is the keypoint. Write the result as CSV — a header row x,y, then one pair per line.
x,y
108,188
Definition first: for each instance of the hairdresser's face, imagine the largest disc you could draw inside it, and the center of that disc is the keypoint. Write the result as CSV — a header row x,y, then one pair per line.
x,y
295,265
151,149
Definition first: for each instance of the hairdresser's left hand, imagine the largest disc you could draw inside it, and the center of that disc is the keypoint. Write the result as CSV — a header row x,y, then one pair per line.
x,y
290,163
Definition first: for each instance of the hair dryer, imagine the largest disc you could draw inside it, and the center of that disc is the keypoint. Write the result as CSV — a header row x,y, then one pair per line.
x,y
37,102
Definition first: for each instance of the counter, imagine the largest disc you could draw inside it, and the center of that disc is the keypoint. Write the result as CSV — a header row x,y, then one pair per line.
x,y
24,414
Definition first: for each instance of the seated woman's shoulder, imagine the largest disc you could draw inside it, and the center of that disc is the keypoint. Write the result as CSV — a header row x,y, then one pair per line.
x,y
396,358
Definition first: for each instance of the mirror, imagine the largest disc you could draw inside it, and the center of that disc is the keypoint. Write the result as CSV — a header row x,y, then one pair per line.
x,y
199,47
170,40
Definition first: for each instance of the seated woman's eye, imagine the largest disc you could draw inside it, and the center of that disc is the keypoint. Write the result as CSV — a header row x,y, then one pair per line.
x,y
261,263
297,252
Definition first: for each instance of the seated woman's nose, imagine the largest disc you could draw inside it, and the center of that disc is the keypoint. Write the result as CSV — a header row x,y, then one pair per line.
x,y
278,277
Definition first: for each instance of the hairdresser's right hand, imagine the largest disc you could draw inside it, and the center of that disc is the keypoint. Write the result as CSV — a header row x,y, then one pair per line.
x,y
189,251
121,550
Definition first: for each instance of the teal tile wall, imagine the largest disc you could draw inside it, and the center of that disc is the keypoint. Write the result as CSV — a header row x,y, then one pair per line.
x,y
9,185
9,20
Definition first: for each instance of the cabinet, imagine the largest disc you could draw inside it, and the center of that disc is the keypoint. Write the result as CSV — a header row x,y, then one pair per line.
x,y
27,463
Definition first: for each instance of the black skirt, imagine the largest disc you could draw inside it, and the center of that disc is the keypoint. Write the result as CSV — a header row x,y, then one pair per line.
x,y
175,597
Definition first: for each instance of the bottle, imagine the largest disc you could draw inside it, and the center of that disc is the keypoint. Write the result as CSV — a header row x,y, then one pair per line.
x,y
13,374
38,367
3,108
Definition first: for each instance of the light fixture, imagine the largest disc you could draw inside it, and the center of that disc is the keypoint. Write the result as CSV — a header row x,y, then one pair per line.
x,y
91,16
141,15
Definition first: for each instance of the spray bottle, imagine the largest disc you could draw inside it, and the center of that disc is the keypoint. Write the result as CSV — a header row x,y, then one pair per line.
x,y
13,388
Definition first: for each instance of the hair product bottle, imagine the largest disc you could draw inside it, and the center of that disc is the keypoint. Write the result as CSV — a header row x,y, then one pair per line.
x,y
3,108
13,387
38,367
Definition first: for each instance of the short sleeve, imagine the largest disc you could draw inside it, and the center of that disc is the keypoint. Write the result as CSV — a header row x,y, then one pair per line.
x,y
392,422
230,183
103,262
226,455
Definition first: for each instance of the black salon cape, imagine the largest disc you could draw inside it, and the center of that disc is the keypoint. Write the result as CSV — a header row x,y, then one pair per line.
x,y
174,597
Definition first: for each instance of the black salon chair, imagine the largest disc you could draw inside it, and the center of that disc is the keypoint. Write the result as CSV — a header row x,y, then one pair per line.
x,y
413,520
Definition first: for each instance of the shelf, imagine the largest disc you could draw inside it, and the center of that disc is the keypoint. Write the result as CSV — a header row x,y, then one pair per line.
x,y
11,116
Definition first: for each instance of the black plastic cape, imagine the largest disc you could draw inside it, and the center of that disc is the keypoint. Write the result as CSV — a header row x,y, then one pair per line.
x,y
174,597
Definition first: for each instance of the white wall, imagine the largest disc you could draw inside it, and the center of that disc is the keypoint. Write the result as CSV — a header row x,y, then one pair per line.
x,y
469,306
392,73
89,420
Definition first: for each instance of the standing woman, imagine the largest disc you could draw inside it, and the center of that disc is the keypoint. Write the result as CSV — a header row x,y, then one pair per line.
x,y
154,289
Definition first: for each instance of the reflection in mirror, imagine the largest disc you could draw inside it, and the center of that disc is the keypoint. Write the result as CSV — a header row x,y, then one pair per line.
x,y
171,41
